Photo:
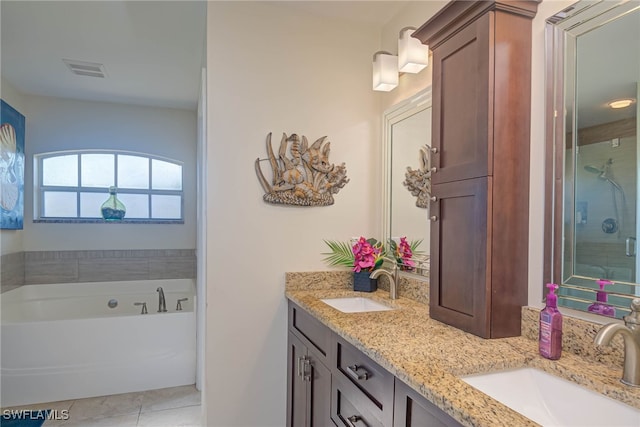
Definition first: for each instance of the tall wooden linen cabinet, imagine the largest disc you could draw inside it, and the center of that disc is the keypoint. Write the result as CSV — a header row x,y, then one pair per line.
x,y
480,163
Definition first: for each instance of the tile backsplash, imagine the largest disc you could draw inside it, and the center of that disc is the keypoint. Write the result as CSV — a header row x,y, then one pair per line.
x,y
43,267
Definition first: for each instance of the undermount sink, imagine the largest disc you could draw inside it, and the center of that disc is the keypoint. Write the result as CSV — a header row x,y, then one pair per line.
x,y
553,401
355,304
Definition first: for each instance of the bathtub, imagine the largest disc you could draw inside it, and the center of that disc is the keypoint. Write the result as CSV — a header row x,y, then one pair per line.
x,y
64,341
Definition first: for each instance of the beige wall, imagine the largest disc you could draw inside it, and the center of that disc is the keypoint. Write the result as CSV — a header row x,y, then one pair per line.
x,y
65,124
54,124
283,71
272,68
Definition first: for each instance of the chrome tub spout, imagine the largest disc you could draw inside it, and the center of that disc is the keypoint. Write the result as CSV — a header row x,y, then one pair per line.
x,y
162,304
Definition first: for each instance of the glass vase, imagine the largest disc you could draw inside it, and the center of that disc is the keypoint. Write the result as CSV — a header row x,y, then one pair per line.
x,y
113,209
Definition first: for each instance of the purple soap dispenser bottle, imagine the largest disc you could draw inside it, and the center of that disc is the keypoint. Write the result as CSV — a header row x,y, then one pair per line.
x,y
550,337
601,306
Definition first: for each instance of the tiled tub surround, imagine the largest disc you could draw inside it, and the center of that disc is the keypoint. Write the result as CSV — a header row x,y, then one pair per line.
x,y
431,356
44,267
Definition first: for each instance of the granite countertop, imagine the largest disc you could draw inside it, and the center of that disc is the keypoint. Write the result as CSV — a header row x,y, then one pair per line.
x,y
430,356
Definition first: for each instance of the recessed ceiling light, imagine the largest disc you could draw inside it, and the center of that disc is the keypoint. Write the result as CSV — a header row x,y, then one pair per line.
x,y
621,103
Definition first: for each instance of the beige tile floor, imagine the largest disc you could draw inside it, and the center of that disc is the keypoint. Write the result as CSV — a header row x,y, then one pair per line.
x,y
167,407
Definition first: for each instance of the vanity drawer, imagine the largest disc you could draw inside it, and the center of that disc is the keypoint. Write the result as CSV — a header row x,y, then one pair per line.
x,y
312,332
351,408
370,379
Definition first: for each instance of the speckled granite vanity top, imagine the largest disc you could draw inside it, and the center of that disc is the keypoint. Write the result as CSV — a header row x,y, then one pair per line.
x,y
431,356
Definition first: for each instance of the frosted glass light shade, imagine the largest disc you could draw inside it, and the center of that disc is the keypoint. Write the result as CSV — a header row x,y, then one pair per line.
x,y
385,71
413,56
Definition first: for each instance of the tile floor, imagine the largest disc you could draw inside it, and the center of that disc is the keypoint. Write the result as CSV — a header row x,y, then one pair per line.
x,y
167,407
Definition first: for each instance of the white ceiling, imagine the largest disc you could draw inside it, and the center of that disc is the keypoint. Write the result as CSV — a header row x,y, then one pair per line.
x,y
152,51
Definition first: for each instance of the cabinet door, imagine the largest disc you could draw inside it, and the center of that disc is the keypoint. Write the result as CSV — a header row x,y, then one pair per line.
x,y
296,384
462,110
319,397
460,255
413,410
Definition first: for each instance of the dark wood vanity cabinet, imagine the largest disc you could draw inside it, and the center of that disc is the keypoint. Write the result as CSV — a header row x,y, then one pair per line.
x,y
332,383
308,377
480,137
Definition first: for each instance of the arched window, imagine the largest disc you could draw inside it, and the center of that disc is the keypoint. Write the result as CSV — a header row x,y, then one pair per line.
x,y
74,184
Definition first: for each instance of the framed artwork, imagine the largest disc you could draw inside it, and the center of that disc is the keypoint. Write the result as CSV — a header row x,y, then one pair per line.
x,y
11,168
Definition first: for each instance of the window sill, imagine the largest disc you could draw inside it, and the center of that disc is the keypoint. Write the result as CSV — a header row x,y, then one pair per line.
x,y
102,221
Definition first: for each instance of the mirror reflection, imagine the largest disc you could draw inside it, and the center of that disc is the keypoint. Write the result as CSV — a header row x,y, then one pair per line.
x,y
406,139
597,66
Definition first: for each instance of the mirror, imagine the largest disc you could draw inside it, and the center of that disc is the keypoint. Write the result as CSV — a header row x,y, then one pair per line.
x,y
593,58
406,137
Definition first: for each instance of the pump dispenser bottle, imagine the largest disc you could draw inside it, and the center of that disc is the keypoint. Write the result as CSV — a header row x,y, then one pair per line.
x,y
550,338
601,306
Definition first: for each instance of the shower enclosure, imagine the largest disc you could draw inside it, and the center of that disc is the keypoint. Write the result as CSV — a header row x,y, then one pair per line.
x,y
605,208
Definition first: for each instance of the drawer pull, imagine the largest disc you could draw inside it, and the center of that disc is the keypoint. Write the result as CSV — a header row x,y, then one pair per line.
x,y
433,198
434,150
434,169
434,218
353,419
306,368
353,372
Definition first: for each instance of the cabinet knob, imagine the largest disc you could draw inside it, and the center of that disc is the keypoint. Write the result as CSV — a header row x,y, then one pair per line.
x,y
434,150
433,198
353,372
353,419
434,169
433,218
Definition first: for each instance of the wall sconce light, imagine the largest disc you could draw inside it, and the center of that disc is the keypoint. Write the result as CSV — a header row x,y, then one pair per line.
x,y
413,56
385,71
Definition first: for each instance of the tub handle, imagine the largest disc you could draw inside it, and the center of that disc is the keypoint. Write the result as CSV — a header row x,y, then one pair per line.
x,y
144,307
179,305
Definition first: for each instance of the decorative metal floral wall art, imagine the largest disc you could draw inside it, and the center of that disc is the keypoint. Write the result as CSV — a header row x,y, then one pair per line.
x,y
418,181
301,174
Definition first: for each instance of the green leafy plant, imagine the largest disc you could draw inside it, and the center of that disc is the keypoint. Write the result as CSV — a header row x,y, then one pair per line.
x,y
365,254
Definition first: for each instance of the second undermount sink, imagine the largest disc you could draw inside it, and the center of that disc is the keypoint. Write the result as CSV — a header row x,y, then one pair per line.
x,y
355,304
553,401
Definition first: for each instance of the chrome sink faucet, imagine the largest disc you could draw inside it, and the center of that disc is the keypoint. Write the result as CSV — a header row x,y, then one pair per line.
x,y
392,275
630,332
162,304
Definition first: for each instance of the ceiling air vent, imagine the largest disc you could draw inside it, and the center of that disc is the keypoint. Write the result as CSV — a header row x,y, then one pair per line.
x,y
82,68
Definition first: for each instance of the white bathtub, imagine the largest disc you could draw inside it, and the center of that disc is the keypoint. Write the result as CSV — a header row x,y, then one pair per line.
x,y
62,341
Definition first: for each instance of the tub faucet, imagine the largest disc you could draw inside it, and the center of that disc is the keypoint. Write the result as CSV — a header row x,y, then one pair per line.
x,y
162,304
392,275
630,332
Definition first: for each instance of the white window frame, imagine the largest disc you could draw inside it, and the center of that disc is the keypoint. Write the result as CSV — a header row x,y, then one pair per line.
x,y
40,188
